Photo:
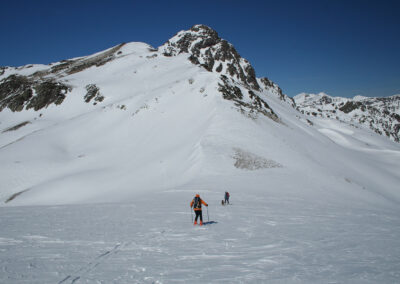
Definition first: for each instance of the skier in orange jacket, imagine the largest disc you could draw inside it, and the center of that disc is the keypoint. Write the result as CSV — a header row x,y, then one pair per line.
x,y
196,204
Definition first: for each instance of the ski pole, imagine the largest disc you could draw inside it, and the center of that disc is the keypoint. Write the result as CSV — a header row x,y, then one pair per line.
x,y
191,213
208,218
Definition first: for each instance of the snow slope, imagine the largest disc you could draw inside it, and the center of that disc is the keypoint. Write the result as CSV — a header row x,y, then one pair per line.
x,y
263,237
98,192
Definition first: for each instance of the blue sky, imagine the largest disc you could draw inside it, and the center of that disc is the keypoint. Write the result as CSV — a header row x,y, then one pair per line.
x,y
343,48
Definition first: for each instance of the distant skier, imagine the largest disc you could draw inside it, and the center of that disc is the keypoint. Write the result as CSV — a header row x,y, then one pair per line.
x,y
196,204
227,197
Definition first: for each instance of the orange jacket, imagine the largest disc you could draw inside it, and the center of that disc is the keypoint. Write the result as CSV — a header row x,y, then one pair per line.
x,y
201,202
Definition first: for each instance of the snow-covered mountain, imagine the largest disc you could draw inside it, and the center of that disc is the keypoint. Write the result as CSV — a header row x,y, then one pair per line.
x,y
382,115
73,130
114,145
187,82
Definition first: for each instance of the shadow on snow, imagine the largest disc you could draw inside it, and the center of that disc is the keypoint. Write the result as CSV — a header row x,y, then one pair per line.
x,y
209,223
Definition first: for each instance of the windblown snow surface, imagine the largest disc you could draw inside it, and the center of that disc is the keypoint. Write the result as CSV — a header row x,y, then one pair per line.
x,y
100,193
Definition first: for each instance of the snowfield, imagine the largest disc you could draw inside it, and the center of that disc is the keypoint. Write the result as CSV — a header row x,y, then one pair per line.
x,y
269,236
100,192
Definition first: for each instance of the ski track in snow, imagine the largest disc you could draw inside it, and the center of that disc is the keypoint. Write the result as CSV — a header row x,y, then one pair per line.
x,y
254,240
90,266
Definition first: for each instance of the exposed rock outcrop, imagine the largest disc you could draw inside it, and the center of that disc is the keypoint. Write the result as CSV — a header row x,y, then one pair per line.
x,y
19,92
207,49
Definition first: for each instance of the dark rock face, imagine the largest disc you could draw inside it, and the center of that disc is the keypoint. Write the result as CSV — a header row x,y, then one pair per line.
x,y
229,91
17,93
350,106
208,50
14,92
48,93
182,42
252,107
93,92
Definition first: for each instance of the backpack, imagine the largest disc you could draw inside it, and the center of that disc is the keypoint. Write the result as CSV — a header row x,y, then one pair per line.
x,y
197,202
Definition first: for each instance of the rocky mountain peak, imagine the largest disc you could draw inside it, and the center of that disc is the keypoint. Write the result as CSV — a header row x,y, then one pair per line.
x,y
208,50
238,82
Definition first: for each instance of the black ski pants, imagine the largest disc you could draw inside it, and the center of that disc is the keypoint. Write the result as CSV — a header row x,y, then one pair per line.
x,y
198,213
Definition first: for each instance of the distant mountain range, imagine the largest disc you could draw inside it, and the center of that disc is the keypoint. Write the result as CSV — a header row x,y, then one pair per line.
x,y
382,115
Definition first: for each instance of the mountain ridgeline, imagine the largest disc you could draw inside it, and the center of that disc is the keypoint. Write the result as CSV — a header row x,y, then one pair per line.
x,y
204,47
39,86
